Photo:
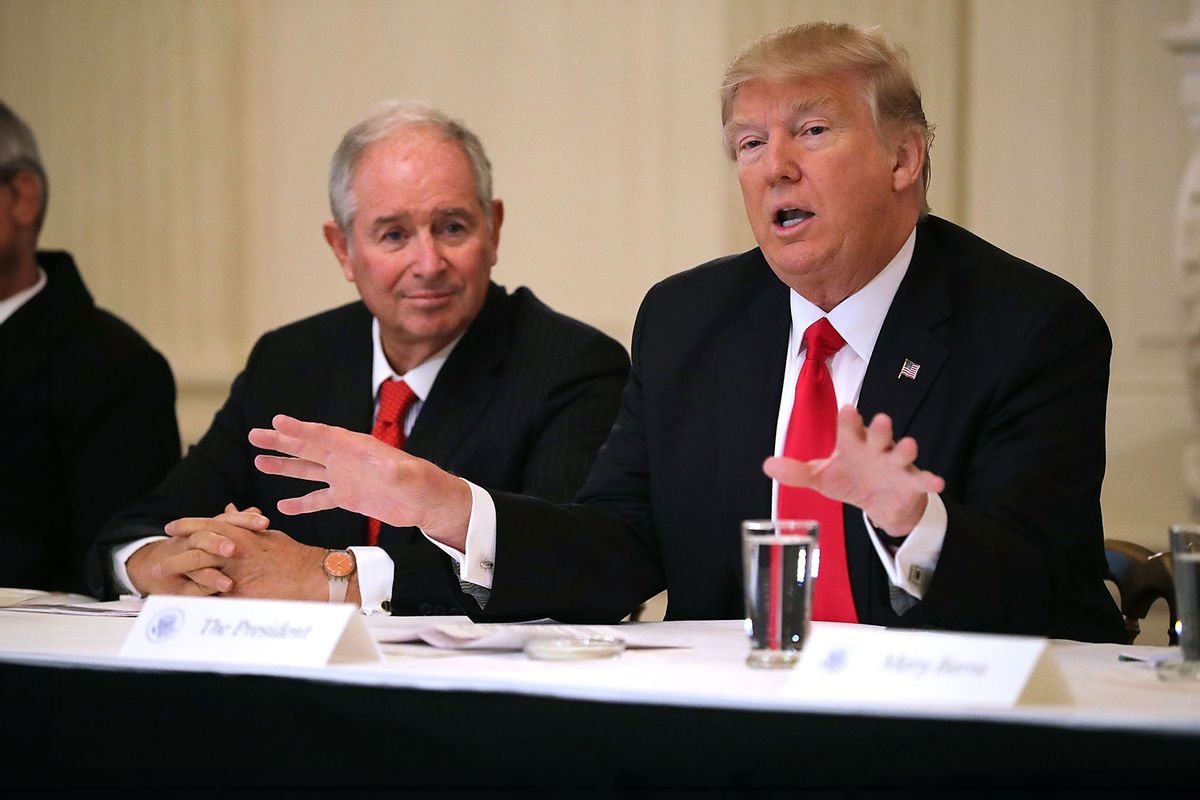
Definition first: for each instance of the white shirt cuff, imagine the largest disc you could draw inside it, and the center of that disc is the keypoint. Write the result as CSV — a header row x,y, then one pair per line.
x,y
376,571
911,567
476,565
121,579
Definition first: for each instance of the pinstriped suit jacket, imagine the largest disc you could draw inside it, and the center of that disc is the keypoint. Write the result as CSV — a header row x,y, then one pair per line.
x,y
522,405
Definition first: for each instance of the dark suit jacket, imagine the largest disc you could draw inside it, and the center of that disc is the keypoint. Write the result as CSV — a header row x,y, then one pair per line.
x,y
87,424
522,404
1008,406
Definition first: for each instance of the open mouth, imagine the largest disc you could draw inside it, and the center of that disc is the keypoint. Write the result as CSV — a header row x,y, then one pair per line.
x,y
791,217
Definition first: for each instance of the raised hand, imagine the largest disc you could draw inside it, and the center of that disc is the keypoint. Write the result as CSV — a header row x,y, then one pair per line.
x,y
867,469
364,475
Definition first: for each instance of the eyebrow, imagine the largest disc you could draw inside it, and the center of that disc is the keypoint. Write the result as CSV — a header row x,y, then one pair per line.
x,y
806,105
455,211
391,219
811,104
387,220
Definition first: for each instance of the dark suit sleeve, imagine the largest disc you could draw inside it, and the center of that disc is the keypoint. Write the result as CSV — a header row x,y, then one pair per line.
x,y
1021,553
214,472
589,563
126,440
579,412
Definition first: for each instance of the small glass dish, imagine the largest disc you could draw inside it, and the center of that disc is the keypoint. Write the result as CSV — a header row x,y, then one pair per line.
x,y
573,648
1177,670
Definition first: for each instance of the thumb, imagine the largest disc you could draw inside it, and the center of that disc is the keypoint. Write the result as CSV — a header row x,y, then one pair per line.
x,y
789,471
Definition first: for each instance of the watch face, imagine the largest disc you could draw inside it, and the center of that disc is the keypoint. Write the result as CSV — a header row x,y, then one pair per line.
x,y
339,563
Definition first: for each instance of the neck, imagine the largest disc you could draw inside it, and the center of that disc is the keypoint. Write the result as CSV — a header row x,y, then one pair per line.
x,y
833,285
404,356
827,295
17,274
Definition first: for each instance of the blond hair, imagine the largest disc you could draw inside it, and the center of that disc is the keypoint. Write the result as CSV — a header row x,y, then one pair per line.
x,y
819,49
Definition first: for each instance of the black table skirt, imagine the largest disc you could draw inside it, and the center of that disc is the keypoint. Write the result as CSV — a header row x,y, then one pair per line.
x,y
74,729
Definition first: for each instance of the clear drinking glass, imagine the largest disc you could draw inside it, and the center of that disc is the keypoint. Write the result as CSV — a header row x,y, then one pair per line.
x,y
1185,557
777,558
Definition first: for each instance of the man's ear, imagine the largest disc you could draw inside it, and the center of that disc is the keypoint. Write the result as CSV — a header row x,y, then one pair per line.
x,y
27,199
340,246
909,158
497,219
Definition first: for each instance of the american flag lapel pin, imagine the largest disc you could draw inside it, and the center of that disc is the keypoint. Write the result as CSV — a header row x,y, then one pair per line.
x,y
909,370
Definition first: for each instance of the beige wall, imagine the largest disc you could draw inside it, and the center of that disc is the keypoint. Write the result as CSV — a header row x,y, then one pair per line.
x,y
187,144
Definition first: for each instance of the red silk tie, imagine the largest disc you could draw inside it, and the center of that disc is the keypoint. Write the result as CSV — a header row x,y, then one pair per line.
x,y
395,398
812,433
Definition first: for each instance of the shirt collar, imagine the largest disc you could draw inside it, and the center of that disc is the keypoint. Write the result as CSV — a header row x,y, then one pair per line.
x,y
9,305
420,378
860,316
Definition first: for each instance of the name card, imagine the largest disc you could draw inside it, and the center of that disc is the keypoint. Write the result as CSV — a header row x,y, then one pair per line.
x,y
224,630
877,666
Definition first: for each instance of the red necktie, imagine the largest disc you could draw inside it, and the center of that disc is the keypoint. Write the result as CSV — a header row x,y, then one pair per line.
x,y
812,433
395,398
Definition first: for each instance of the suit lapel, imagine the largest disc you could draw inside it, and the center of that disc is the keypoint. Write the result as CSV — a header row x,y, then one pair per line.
x,y
908,336
25,349
346,400
351,400
465,385
748,383
34,331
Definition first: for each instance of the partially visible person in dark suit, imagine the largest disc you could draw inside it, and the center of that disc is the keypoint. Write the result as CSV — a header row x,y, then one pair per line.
x,y
856,298
87,407
491,385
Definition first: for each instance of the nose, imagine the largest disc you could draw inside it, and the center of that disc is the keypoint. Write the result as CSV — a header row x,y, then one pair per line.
x,y
427,256
781,161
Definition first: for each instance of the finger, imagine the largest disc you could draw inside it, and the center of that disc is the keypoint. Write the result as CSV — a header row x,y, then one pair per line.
x,y
211,579
850,425
930,482
267,439
789,471
188,526
294,437
212,543
320,500
290,468
230,508
879,434
189,561
191,588
250,520
905,451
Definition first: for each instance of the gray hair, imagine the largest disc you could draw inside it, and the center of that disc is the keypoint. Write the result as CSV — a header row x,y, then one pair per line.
x,y
388,119
19,153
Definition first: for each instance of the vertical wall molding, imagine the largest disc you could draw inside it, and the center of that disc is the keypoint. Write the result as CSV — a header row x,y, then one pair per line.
x,y
1184,41
135,104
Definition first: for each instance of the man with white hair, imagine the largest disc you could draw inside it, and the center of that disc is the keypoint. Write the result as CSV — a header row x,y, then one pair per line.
x,y
435,358
87,406
856,299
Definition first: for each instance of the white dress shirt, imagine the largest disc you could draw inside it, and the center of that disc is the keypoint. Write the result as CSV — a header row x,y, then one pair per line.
x,y
9,305
858,319
375,567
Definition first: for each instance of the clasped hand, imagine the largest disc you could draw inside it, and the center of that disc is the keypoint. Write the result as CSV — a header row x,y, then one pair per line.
x,y
234,554
867,469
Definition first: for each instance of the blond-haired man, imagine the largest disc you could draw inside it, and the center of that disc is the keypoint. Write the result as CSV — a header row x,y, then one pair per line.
x,y
996,369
